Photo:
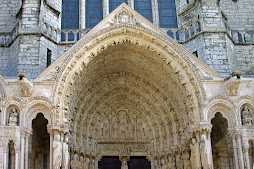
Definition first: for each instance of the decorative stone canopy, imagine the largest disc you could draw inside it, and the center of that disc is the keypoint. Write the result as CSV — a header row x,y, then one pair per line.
x,y
127,80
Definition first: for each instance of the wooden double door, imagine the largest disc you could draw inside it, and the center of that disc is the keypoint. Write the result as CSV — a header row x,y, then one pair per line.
x,y
113,162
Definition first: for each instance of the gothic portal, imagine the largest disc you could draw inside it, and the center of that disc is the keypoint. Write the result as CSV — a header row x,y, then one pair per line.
x,y
127,96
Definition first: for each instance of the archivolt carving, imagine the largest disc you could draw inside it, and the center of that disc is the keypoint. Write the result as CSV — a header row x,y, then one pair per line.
x,y
128,67
113,43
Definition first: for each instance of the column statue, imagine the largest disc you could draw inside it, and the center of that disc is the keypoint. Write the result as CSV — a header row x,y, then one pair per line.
x,y
57,152
66,155
206,155
124,165
195,154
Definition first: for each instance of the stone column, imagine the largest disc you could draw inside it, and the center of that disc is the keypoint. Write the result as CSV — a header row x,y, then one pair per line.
x,y
27,137
124,160
246,154
235,153
22,151
240,152
5,153
105,8
17,158
131,3
51,150
155,11
82,18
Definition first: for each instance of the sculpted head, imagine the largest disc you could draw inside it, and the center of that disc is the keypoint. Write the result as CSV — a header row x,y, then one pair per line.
x,y
155,162
203,138
245,108
193,140
162,161
87,159
57,137
66,140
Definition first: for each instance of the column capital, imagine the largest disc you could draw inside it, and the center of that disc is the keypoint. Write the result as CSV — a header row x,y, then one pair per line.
x,y
28,133
202,128
54,129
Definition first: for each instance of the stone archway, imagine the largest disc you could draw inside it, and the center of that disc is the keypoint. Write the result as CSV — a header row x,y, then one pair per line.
x,y
128,92
127,103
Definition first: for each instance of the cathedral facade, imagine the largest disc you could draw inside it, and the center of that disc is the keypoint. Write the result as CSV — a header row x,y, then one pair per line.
x,y
142,84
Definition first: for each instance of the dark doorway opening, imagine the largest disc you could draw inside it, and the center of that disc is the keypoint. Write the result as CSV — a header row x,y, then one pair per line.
x,y
40,149
113,162
139,163
109,162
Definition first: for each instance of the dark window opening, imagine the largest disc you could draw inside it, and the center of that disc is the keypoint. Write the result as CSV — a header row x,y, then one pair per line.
x,y
93,12
144,7
167,14
70,14
113,4
49,55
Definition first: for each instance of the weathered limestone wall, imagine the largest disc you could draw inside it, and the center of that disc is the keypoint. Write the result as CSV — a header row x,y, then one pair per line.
x,y
28,56
211,49
240,18
8,11
12,59
245,58
44,45
4,53
240,14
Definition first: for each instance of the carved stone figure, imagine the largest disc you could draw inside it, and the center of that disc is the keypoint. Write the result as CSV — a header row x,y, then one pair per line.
x,y
156,164
81,162
25,86
206,155
187,163
124,165
195,155
92,165
171,163
163,164
179,161
75,162
14,115
247,120
86,165
66,155
57,152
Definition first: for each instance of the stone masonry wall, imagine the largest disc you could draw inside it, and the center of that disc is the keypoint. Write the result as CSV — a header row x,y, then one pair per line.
x,y
8,11
245,58
12,64
28,56
240,14
4,53
44,45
